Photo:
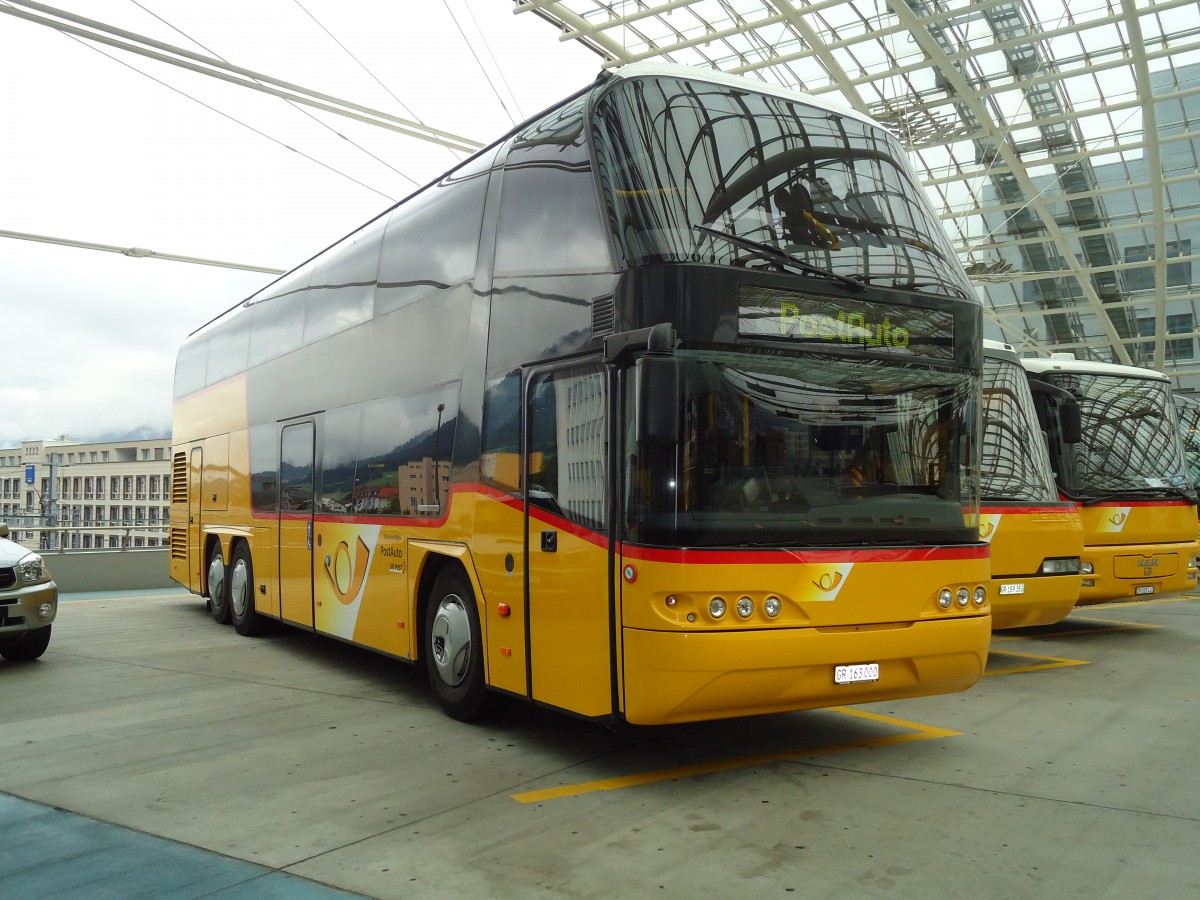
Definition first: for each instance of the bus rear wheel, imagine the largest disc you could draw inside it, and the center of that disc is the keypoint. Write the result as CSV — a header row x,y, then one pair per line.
x,y
218,589
244,616
454,649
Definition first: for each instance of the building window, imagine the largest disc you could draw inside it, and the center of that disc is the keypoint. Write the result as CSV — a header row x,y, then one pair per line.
x,y
1177,348
1142,278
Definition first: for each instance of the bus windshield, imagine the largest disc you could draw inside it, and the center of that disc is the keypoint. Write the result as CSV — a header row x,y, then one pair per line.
x,y
1130,437
694,171
807,450
1015,465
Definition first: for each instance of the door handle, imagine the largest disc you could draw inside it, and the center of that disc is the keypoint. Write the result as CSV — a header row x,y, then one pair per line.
x,y
309,533
549,541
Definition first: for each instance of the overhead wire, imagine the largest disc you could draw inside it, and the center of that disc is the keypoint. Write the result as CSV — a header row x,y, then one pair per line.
x,y
294,105
375,78
479,63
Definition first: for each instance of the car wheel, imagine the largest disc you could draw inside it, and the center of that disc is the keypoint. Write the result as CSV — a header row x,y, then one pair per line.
x,y
242,612
454,649
27,648
218,587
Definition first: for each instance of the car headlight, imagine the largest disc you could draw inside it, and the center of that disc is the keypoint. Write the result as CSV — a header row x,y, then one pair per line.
x,y
31,569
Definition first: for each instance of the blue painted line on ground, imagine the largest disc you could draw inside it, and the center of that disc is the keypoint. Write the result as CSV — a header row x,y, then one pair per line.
x,y
53,853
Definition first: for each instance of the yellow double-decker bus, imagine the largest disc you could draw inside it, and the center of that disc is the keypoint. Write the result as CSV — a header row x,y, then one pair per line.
x,y
1126,473
663,408
1035,536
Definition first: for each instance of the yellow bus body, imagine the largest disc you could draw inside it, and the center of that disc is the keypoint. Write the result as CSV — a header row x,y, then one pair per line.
x,y
1021,538
1138,550
671,660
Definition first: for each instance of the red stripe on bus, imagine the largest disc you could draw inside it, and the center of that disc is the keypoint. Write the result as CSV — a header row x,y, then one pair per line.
x,y
1018,510
780,557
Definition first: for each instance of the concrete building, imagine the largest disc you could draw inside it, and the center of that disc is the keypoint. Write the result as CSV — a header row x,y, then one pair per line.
x,y
64,494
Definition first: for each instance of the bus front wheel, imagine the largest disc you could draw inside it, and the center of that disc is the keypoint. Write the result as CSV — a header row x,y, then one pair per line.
x,y
218,589
454,648
246,619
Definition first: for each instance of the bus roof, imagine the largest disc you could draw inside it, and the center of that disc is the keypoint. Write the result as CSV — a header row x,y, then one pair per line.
x,y
1090,367
1000,350
672,70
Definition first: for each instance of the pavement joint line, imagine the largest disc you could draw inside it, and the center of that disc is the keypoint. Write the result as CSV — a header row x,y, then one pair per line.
x,y
1051,662
918,732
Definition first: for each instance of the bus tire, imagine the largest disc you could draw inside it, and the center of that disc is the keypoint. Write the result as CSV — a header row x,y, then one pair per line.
x,y
218,586
245,618
454,648
27,647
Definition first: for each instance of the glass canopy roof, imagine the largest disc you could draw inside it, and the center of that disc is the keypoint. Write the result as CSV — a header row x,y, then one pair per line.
x,y
1060,139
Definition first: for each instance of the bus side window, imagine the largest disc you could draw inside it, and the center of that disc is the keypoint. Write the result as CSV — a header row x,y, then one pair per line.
x,y
568,444
500,463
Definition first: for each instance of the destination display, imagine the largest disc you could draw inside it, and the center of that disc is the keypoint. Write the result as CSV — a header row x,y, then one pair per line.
x,y
846,322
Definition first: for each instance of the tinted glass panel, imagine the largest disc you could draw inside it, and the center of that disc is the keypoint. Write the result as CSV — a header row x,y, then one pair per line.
x,y
431,241
342,289
296,468
227,345
264,477
549,216
568,444
500,464
1016,465
338,456
277,318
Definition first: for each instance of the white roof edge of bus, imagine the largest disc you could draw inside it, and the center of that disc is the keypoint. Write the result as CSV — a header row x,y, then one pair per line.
x,y
989,344
1089,367
698,73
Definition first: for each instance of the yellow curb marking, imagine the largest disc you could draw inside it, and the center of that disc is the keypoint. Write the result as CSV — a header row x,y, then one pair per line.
x,y
919,732
1049,662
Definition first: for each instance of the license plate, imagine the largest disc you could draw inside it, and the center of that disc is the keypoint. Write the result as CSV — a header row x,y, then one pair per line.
x,y
1012,589
1144,589
853,674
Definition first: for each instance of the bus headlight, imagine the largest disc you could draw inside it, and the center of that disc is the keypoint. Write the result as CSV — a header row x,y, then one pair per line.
x,y
716,607
772,606
964,596
945,598
980,596
1063,565
1087,568
745,606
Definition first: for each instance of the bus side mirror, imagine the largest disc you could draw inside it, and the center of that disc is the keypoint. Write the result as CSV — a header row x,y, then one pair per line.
x,y
657,380
1070,421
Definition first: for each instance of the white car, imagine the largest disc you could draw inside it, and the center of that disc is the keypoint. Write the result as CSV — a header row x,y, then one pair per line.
x,y
28,601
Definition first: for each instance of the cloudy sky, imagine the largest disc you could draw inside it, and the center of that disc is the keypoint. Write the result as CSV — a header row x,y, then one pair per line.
x,y
106,147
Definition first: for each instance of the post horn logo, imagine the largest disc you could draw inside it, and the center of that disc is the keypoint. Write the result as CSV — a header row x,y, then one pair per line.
x,y
1118,519
986,529
347,575
828,582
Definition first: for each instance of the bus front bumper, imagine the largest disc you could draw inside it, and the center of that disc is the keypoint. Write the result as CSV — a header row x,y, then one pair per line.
x,y
672,677
1024,602
1118,573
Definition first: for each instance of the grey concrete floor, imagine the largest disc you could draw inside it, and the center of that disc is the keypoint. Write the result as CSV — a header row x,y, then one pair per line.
x,y
1068,770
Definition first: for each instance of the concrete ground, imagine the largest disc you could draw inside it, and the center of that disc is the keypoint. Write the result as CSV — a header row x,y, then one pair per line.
x,y
296,766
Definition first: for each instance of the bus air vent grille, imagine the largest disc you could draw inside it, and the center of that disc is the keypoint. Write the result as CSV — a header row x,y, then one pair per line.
x,y
604,310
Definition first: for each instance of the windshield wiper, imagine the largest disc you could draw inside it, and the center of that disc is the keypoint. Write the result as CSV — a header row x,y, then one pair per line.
x,y
1140,494
780,257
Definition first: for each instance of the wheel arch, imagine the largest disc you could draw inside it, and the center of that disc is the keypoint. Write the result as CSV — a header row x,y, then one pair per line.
x,y
430,560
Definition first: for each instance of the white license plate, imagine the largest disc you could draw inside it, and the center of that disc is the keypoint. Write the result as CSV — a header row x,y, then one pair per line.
x,y
853,674
1012,589
1144,589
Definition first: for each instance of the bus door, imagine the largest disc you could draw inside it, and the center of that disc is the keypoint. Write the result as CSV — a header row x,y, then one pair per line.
x,y
195,480
567,584
297,445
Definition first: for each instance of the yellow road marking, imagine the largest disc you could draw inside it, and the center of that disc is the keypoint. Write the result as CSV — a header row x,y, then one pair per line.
x,y
1049,662
918,732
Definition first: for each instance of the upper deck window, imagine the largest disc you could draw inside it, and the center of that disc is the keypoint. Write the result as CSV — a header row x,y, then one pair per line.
x,y
827,187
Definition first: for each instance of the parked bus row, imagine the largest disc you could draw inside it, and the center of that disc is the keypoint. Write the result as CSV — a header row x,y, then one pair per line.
x,y
667,406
